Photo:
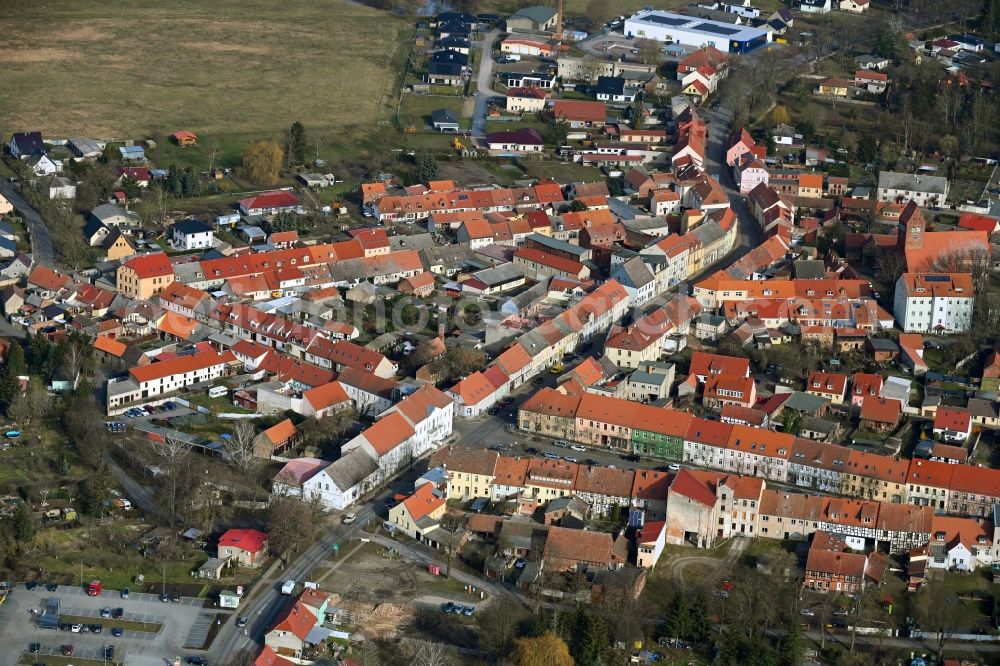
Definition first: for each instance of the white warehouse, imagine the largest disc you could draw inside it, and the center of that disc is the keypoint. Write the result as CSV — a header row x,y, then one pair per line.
x,y
692,31
934,302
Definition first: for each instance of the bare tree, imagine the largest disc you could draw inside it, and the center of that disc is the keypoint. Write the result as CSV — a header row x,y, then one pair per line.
x,y
428,653
499,623
240,447
452,524
172,454
34,403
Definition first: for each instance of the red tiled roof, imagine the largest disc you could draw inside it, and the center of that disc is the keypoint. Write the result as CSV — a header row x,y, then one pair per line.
x,y
579,110
423,502
150,265
688,484
109,346
326,395
179,365
949,418
473,389
277,199
296,619
880,410
389,432
245,539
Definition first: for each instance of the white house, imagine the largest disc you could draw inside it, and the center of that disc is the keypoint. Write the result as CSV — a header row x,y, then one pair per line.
x,y
815,6
934,302
341,484
749,172
191,235
854,6
902,187
473,395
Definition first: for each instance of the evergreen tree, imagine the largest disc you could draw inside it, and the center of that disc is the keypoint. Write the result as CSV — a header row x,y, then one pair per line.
x,y
427,168
590,641
24,524
701,626
297,143
172,183
15,359
679,616
38,351
10,388
791,645
989,19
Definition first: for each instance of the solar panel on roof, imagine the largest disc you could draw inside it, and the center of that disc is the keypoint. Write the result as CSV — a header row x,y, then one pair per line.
x,y
937,278
716,29
666,20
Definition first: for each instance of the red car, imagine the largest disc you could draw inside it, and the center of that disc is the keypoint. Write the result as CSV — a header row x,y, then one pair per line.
x,y
67,650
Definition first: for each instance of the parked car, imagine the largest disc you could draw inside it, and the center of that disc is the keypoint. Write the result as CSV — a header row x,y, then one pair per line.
x,y
67,650
76,628
448,607
631,458
519,563
349,518
532,450
125,593
577,447
569,459
674,467
468,611
105,613
241,622
118,613
198,661
96,628
117,632
561,443
30,585
35,648
808,612
551,456
109,653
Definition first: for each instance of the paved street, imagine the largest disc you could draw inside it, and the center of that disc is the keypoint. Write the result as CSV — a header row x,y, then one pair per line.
x,y
484,83
41,242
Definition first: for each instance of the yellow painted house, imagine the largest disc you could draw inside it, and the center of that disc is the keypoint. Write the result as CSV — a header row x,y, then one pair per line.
x,y
419,514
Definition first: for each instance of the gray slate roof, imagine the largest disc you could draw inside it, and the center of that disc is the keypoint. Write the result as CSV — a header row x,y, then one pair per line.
x,y
352,469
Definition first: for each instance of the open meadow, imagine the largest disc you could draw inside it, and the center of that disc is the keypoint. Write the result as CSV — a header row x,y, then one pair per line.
x,y
227,70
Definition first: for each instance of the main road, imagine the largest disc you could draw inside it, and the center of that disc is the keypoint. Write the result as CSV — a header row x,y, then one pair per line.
x,y
41,242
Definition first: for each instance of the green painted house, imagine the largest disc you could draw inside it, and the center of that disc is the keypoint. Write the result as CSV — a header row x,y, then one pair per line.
x,y
658,445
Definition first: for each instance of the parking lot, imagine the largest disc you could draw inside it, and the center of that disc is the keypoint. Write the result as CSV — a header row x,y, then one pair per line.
x,y
180,620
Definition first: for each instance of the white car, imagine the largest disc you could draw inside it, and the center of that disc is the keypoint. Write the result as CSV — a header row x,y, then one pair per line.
x,y
577,447
674,467
76,628
349,518
808,612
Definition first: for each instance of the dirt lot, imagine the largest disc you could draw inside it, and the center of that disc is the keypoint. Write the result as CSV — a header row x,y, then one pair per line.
x,y
387,594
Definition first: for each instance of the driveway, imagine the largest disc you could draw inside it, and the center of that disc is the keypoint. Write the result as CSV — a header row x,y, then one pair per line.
x,y
41,242
484,84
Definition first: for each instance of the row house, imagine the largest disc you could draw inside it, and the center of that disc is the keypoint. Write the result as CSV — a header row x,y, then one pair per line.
x,y
163,377
604,488
407,431
577,326
758,452
471,472
817,465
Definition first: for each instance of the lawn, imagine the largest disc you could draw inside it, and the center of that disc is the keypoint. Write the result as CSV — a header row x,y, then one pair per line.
x,y
563,172
226,71
415,111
